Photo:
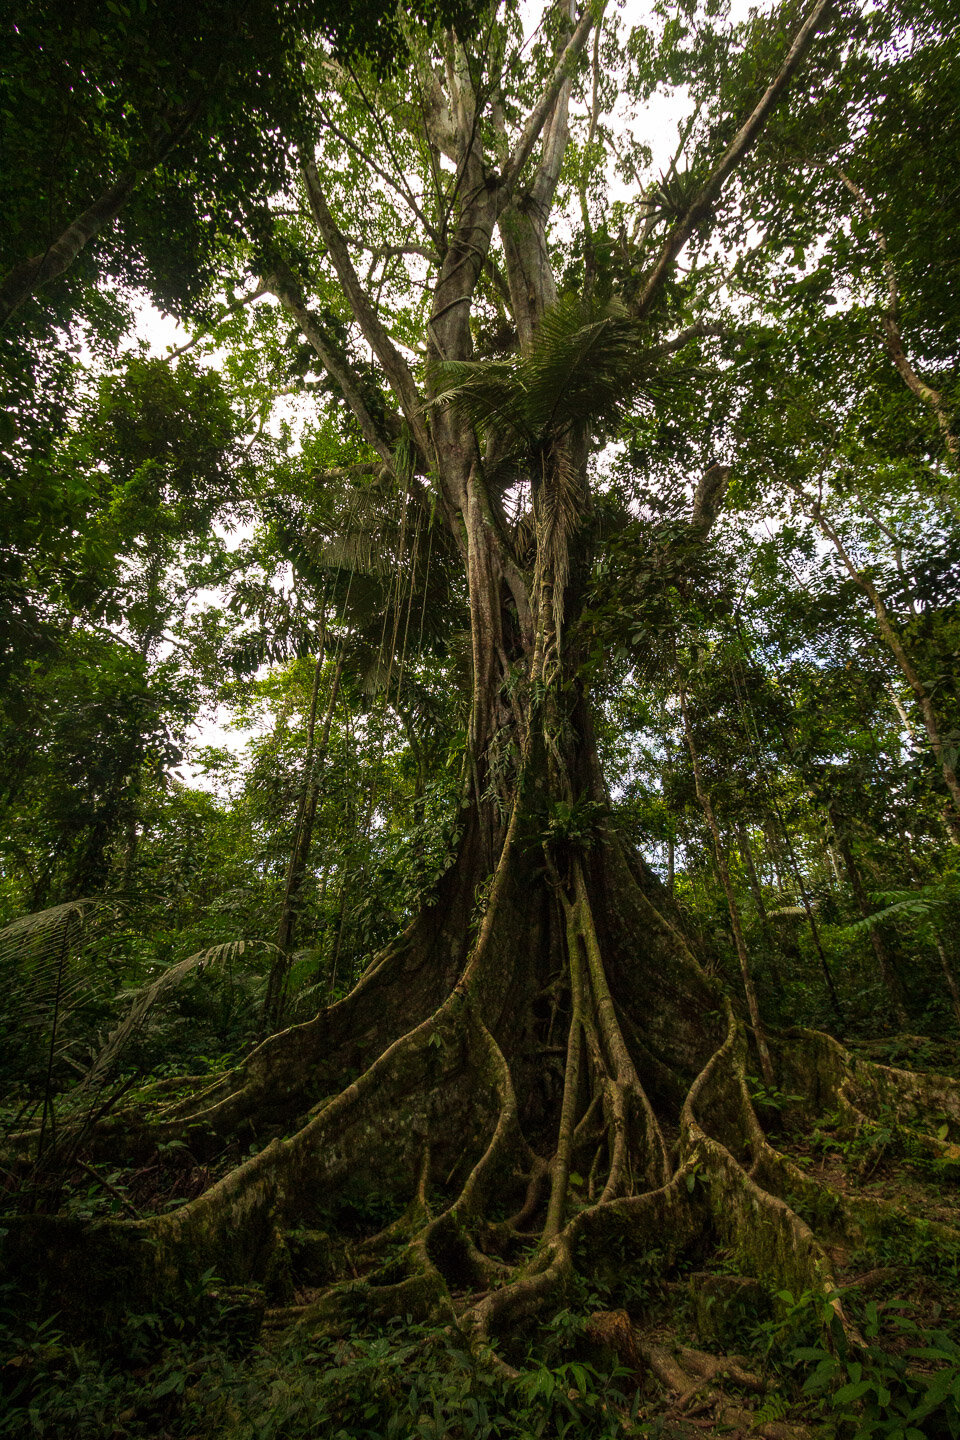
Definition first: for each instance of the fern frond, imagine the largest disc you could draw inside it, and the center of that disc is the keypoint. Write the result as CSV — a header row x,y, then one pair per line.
x,y
43,985
144,998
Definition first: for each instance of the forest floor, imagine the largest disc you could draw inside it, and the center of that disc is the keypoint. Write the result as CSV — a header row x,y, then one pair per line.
x,y
692,1350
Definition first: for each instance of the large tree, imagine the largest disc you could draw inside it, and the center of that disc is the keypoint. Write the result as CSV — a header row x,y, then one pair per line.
x,y
544,1018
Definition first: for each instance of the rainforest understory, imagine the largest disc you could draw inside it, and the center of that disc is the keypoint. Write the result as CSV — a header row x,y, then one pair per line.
x,y
484,1132
572,950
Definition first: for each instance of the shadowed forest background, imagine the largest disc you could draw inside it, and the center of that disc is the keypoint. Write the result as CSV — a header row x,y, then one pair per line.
x,y
542,1017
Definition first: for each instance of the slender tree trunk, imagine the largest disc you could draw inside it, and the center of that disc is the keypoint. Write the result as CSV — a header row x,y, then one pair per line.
x,y
893,336
808,911
753,879
950,979
129,852
672,834
910,674
884,961
723,870
275,999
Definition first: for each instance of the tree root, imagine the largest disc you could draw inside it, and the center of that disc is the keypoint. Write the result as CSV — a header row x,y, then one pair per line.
x,y
693,1378
474,1156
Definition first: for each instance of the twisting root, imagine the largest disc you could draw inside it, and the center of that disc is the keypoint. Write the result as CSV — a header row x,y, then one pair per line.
x,y
692,1377
445,1113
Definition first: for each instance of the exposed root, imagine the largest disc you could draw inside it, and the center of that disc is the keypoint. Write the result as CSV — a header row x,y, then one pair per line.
x,y
501,1179
694,1379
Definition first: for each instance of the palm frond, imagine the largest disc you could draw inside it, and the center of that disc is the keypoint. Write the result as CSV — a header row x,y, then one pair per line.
x,y
585,365
489,394
924,905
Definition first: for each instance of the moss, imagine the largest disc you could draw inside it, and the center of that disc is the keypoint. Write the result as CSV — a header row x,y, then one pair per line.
x,y
421,1296
89,1273
893,1234
768,1238
278,1271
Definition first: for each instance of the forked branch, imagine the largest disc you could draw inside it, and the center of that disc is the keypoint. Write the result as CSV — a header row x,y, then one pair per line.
x,y
397,370
543,110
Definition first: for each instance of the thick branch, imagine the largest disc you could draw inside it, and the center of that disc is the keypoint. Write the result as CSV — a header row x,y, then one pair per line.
x,y
701,329
25,279
292,301
39,270
397,370
742,142
542,111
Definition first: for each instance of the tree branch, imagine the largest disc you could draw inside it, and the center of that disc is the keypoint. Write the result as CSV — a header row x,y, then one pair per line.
x,y
861,578
742,142
397,370
291,299
891,326
39,270
237,304
406,195
28,277
544,108
700,329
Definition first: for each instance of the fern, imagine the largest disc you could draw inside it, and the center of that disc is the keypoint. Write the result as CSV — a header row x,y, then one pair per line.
x,y
43,980
144,998
924,904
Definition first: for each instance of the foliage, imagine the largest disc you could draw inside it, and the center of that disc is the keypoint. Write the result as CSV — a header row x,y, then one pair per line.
x,y
744,494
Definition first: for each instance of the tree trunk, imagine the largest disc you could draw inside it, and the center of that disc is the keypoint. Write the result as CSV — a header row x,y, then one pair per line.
x,y
753,879
776,826
896,647
949,979
275,999
885,964
723,870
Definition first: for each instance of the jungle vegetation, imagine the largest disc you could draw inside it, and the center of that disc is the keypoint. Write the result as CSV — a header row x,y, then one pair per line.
x,y
543,1019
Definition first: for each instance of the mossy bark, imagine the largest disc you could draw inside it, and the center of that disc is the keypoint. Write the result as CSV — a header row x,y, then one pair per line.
x,y
436,1082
